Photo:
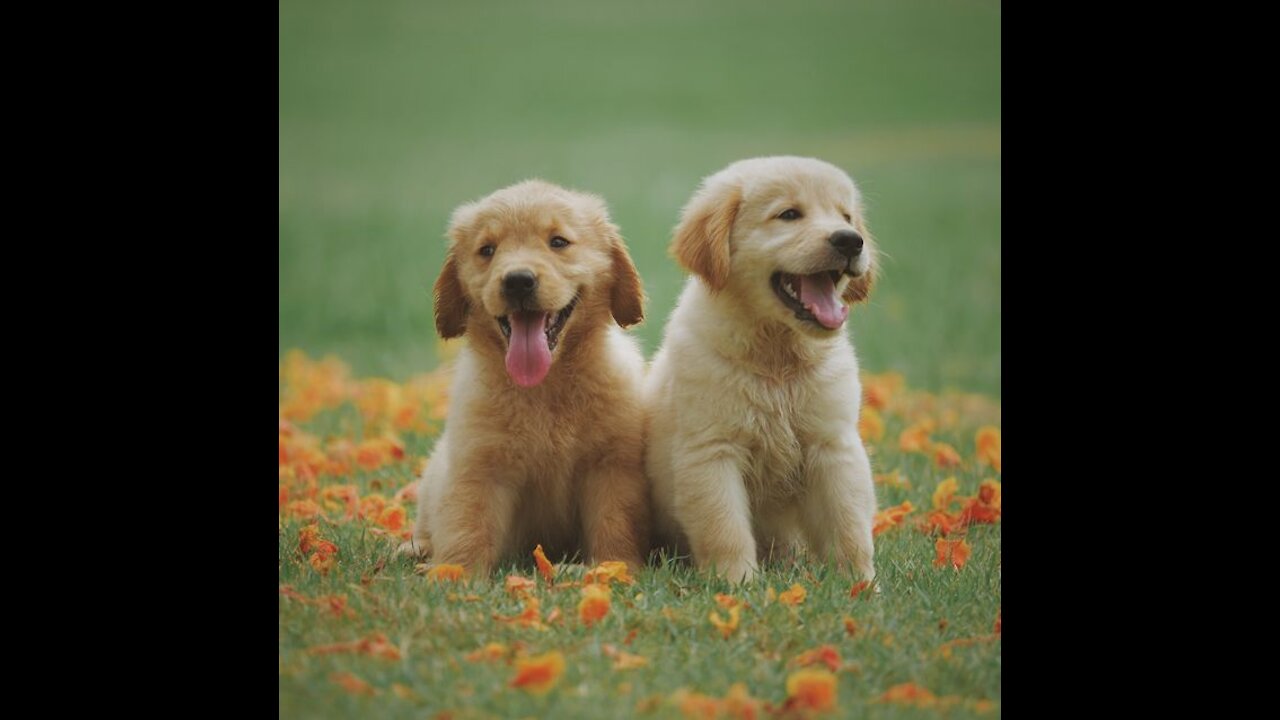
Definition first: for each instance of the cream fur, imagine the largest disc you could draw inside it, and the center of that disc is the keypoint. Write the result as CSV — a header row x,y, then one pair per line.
x,y
752,414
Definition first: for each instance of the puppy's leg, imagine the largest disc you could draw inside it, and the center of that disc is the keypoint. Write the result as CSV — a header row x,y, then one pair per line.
x,y
615,509
839,508
713,508
428,485
473,517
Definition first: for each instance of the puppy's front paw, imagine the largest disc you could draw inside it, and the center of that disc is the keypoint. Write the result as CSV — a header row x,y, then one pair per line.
x,y
413,548
740,571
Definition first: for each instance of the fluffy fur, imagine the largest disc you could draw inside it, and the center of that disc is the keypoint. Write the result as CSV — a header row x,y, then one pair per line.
x,y
559,463
751,412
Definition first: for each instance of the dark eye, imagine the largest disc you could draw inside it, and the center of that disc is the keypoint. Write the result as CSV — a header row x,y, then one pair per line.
x,y
487,250
559,242
790,214
848,218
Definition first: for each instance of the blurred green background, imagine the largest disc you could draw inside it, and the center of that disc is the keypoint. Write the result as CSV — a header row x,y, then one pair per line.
x,y
393,112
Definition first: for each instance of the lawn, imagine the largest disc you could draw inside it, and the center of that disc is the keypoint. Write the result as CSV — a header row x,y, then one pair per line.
x,y
393,113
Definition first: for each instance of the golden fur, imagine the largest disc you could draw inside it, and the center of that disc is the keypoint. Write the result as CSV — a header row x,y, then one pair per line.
x,y
752,413
559,463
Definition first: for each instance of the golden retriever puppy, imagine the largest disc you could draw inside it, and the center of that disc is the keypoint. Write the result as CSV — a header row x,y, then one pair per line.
x,y
543,442
752,401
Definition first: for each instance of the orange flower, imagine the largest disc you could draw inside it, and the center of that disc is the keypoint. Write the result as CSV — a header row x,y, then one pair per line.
x,y
850,627
989,493
392,517
739,704
811,689
284,496
607,572
955,552
727,601
858,587
544,565
336,605
726,627
594,605
302,508
916,437
943,494
891,516
342,496
537,675
489,653
988,440
794,596
623,660
446,572
824,654
352,684
376,645
520,586
909,694
696,705
893,479
945,456
372,505
530,617
870,425
997,627
322,562
877,390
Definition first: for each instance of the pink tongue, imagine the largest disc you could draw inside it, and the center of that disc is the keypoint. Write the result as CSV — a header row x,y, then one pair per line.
x,y
528,357
818,295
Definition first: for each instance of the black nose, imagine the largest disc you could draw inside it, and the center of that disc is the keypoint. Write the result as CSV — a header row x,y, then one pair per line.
x,y
848,242
519,284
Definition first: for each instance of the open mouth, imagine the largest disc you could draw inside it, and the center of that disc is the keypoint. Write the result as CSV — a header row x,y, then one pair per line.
x,y
813,298
531,337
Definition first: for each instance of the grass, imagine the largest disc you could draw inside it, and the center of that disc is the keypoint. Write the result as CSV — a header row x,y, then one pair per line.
x,y
900,633
392,113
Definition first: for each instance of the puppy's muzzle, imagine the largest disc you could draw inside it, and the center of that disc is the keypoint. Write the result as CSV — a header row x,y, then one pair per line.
x,y
519,285
848,242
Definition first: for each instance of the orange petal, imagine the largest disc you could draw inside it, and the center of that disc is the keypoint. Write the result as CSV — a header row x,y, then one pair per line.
x,y
811,689
870,425
727,601
392,517
594,605
607,572
943,494
794,596
545,568
825,654
909,694
858,587
446,572
945,456
489,653
726,627
537,675
352,684
519,585
850,627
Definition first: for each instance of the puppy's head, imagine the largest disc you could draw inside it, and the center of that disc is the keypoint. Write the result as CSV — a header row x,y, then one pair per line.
x,y
531,269
785,236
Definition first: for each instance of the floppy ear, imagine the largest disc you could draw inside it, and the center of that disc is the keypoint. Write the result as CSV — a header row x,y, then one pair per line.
x,y
859,288
451,304
627,299
701,243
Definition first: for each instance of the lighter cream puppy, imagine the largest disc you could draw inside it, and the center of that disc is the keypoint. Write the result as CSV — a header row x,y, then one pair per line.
x,y
543,443
752,401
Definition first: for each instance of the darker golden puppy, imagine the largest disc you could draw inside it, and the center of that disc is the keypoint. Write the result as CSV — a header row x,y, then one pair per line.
x,y
543,443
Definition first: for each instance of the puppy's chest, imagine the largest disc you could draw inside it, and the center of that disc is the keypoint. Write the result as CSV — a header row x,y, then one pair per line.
x,y
776,429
